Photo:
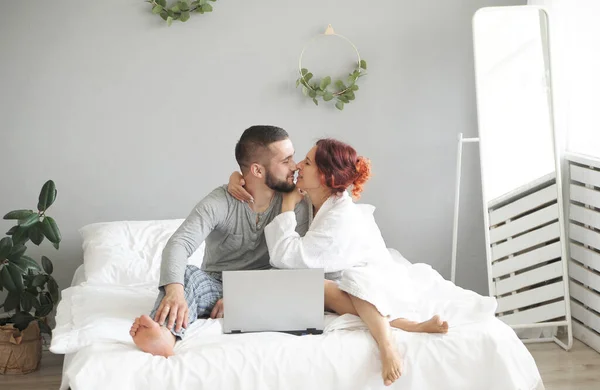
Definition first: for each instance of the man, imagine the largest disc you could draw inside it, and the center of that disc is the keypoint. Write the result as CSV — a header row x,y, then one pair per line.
x,y
233,232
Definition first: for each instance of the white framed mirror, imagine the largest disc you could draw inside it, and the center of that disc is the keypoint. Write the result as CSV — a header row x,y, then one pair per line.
x,y
520,172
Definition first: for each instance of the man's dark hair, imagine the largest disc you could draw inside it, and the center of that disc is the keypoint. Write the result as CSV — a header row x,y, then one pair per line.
x,y
253,145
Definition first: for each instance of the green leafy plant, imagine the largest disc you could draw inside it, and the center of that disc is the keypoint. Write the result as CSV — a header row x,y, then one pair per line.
x,y
181,10
343,92
32,291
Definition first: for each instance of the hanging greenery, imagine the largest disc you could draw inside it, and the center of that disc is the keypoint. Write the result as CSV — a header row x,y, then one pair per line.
x,y
181,10
343,91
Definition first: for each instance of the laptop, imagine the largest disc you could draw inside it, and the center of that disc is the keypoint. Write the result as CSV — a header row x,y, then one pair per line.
x,y
276,300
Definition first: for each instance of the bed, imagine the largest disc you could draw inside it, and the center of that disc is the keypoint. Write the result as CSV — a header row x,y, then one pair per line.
x,y
117,282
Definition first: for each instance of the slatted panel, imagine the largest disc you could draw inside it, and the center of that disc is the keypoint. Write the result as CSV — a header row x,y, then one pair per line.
x,y
526,260
585,216
584,235
585,255
529,240
538,275
585,241
523,224
586,316
530,297
538,314
523,205
585,175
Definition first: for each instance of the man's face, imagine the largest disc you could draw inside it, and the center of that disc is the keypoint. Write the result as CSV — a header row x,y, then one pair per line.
x,y
280,170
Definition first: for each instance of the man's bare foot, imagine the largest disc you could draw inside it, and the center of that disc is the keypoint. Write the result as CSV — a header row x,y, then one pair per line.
x,y
150,337
391,364
433,325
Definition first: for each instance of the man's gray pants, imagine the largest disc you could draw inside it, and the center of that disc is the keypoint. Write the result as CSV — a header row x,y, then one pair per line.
x,y
202,291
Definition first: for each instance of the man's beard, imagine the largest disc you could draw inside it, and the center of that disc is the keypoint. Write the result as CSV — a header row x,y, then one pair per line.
x,y
278,185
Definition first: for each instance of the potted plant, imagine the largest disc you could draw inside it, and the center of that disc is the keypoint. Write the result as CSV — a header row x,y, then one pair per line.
x,y
32,292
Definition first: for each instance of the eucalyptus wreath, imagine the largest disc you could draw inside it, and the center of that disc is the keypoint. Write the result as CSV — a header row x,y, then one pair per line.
x,y
181,10
343,92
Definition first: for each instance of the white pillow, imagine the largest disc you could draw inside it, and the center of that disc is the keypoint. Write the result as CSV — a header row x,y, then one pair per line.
x,y
128,253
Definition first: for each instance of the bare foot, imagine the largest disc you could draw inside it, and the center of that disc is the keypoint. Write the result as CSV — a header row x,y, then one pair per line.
x,y
391,365
433,325
150,337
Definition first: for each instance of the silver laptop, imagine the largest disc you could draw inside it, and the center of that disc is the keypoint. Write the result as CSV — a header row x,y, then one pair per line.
x,y
289,301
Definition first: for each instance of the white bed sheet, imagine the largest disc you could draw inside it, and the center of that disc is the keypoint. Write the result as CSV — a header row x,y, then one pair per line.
x,y
93,324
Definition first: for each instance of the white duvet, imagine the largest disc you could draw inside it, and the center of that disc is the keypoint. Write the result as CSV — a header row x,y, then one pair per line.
x,y
93,324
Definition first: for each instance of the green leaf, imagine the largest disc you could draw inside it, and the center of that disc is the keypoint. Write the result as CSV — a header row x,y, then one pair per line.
x,y
305,90
6,245
316,102
312,93
183,5
45,299
156,10
164,15
185,16
44,310
297,83
39,280
16,252
162,3
27,222
320,93
207,7
19,214
26,263
363,64
354,87
328,96
303,71
53,289
7,281
55,244
176,8
47,264
36,302
22,319
12,301
308,76
169,21
48,192
325,82
340,84
339,105
50,229
16,276
35,233
12,230
20,236
44,328
344,99
27,301
350,95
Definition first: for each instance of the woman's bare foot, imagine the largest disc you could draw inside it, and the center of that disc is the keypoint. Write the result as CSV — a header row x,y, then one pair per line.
x,y
391,365
150,337
433,325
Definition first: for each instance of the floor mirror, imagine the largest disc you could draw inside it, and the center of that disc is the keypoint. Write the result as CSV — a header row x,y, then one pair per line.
x,y
520,173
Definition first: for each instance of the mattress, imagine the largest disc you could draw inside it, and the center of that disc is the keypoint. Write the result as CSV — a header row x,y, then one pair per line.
x,y
93,324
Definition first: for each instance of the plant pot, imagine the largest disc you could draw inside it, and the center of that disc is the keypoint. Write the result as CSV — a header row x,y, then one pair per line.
x,y
20,352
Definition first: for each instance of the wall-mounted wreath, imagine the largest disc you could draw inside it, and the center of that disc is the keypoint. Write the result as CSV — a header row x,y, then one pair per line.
x,y
343,91
181,10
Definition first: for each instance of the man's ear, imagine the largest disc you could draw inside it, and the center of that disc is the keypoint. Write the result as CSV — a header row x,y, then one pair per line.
x,y
257,170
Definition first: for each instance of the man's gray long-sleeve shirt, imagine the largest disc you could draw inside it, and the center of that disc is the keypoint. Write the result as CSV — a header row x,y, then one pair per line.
x,y
233,234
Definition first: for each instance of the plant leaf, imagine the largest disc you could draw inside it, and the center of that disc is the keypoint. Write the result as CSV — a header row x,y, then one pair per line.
x,y
316,102
6,245
363,64
44,328
156,10
16,252
12,301
16,276
185,16
325,82
44,310
354,87
19,214
50,229
47,264
169,21
55,244
328,96
20,236
53,289
350,95
35,233
12,230
27,222
312,93
7,281
308,76
164,15
39,280
48,192
26,263
162,3
27,301
207,8
305,90
339,105
303,71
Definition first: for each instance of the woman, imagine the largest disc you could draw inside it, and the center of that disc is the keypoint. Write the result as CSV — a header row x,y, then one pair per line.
x,y
343,236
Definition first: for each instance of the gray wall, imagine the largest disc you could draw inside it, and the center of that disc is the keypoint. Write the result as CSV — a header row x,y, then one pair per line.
x,y
134,120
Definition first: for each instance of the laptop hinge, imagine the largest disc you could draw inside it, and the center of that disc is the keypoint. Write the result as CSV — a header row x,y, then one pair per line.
x,y
236,331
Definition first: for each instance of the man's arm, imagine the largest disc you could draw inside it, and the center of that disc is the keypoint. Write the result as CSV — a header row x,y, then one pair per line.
x,y
208,214
302,211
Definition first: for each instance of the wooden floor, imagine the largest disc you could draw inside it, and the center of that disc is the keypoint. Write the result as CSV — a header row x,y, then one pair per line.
x,y
578,369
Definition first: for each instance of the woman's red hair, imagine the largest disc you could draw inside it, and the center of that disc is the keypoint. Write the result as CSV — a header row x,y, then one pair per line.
x,y
341,167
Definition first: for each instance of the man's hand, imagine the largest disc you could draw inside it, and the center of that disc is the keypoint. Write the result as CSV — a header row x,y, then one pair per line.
x,y
236,188
291,199
217,311
174,307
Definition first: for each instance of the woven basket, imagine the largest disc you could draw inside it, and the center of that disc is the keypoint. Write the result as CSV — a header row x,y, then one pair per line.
x,y
20,352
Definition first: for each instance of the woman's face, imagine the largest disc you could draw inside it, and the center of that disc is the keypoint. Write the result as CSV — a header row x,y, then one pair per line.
x,y
308,173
